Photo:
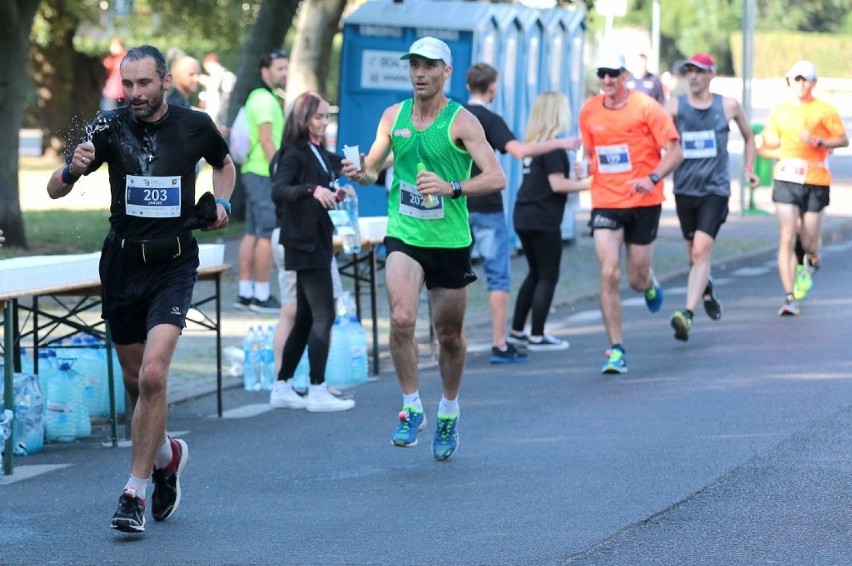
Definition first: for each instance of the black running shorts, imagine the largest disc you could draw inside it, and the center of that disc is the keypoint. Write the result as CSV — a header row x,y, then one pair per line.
x,y
444,268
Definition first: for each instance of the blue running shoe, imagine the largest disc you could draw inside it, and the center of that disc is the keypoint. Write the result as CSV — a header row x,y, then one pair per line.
x,y
654,297
411,421
446,439
616,362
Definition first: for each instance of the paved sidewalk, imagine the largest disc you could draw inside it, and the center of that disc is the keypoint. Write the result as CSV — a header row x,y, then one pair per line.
x,y
741,237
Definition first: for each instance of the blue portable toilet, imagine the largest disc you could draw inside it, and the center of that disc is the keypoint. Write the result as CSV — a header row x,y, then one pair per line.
x,y
373,77
562,59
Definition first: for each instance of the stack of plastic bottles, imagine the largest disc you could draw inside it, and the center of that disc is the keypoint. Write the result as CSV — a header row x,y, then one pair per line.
x,y
28,416
259,358
88,356
347,357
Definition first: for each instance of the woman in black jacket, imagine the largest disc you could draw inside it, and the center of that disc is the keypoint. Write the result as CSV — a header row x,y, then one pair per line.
x,y
304,188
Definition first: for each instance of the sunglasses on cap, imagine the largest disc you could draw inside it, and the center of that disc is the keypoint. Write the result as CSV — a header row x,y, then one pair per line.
x,y
267,59
612,73
797,78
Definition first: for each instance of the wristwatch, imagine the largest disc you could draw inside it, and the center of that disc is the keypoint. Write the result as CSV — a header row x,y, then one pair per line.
x,y
654,178
457,189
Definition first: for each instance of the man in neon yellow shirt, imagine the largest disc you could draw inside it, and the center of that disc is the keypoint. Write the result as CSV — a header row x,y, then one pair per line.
x,y
805,130
434,142
265,117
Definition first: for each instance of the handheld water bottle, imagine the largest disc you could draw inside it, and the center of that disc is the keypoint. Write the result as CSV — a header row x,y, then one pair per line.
x,y
351,240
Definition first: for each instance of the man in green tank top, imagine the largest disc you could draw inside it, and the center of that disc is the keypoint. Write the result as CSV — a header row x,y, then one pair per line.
x,y
434,141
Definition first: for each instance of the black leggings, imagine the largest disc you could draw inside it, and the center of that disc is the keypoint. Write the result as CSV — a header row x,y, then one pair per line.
x,y
312,327
543,251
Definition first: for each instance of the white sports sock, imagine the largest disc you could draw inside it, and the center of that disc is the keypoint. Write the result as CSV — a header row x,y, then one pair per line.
x,y
261,290
447,408
413,400
246,288
138,484
164,454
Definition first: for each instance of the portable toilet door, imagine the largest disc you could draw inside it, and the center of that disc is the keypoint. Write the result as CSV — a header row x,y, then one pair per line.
x,y
557,76
527,88
373,77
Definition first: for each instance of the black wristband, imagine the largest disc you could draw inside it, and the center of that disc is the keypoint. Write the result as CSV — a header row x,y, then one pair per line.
x,y
457,189
68,178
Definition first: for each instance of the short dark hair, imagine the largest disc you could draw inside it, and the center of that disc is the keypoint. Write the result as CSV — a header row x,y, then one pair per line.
x,y
481,76
143,51
267,59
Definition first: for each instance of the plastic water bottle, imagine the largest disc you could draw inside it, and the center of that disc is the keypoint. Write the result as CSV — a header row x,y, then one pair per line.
x,y
251,363
351,239
302,376
429,201
338,370
267,356
357,340
28,425
59,421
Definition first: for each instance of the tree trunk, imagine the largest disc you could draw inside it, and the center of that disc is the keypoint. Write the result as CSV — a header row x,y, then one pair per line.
x,y
16,20
267,34
317,23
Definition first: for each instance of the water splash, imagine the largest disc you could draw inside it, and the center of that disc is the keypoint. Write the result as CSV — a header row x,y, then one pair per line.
x,y
101,124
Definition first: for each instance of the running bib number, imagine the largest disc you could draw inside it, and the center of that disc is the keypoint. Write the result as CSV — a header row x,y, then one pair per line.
x,y
411,203
613,158
698,145
152,197
792,170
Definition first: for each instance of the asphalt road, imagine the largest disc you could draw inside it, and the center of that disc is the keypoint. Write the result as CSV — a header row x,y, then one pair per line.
x,y
729,449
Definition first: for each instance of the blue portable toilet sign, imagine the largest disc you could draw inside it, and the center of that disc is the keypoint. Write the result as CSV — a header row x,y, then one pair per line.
x,y
373,77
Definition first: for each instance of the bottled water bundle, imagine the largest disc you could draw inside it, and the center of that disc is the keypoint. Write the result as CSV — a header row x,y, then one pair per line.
x,y
27,425
347,358
67,415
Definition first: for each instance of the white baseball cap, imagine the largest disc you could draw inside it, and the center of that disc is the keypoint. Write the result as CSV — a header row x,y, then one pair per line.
x,y
610,61
804,69
430,48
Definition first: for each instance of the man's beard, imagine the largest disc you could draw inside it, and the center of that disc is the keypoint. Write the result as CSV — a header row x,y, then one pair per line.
x,y
150,107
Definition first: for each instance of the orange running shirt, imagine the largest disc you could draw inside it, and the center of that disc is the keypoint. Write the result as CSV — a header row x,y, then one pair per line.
x,y
800,162
622,145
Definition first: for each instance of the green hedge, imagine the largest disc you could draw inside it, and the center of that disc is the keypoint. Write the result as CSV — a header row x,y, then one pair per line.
x,y
776,51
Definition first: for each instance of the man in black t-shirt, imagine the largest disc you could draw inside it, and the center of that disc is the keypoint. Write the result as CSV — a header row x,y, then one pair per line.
x,y
488,224
149,259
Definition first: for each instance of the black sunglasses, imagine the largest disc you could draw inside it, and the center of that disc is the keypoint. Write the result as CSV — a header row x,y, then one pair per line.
x,y
797,78
266,60
612,73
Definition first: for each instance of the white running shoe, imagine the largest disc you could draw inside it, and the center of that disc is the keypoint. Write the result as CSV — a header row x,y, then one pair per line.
x,y
283,396
321,401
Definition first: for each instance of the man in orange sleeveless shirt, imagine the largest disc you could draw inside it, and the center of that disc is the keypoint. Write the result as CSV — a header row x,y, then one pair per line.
x,y
631,144
805,130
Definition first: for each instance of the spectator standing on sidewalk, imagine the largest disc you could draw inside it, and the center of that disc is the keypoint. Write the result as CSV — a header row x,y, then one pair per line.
x,y
185,77
434,142
702,184
265,116
631,144
537,218
305,188
150,257
805,130
112,91
488,225
643,80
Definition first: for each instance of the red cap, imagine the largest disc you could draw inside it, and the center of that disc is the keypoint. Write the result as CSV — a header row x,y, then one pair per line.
x,y
703,61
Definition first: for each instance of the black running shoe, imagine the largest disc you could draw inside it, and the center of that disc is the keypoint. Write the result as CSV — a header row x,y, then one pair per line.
x,y
130,515
270,305
711,305
166,496
242,303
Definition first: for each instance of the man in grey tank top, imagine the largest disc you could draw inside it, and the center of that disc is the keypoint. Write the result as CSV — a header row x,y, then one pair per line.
x,y
702,185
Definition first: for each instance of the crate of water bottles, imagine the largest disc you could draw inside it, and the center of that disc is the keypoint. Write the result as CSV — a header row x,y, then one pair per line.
x,y
26,419
347,356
